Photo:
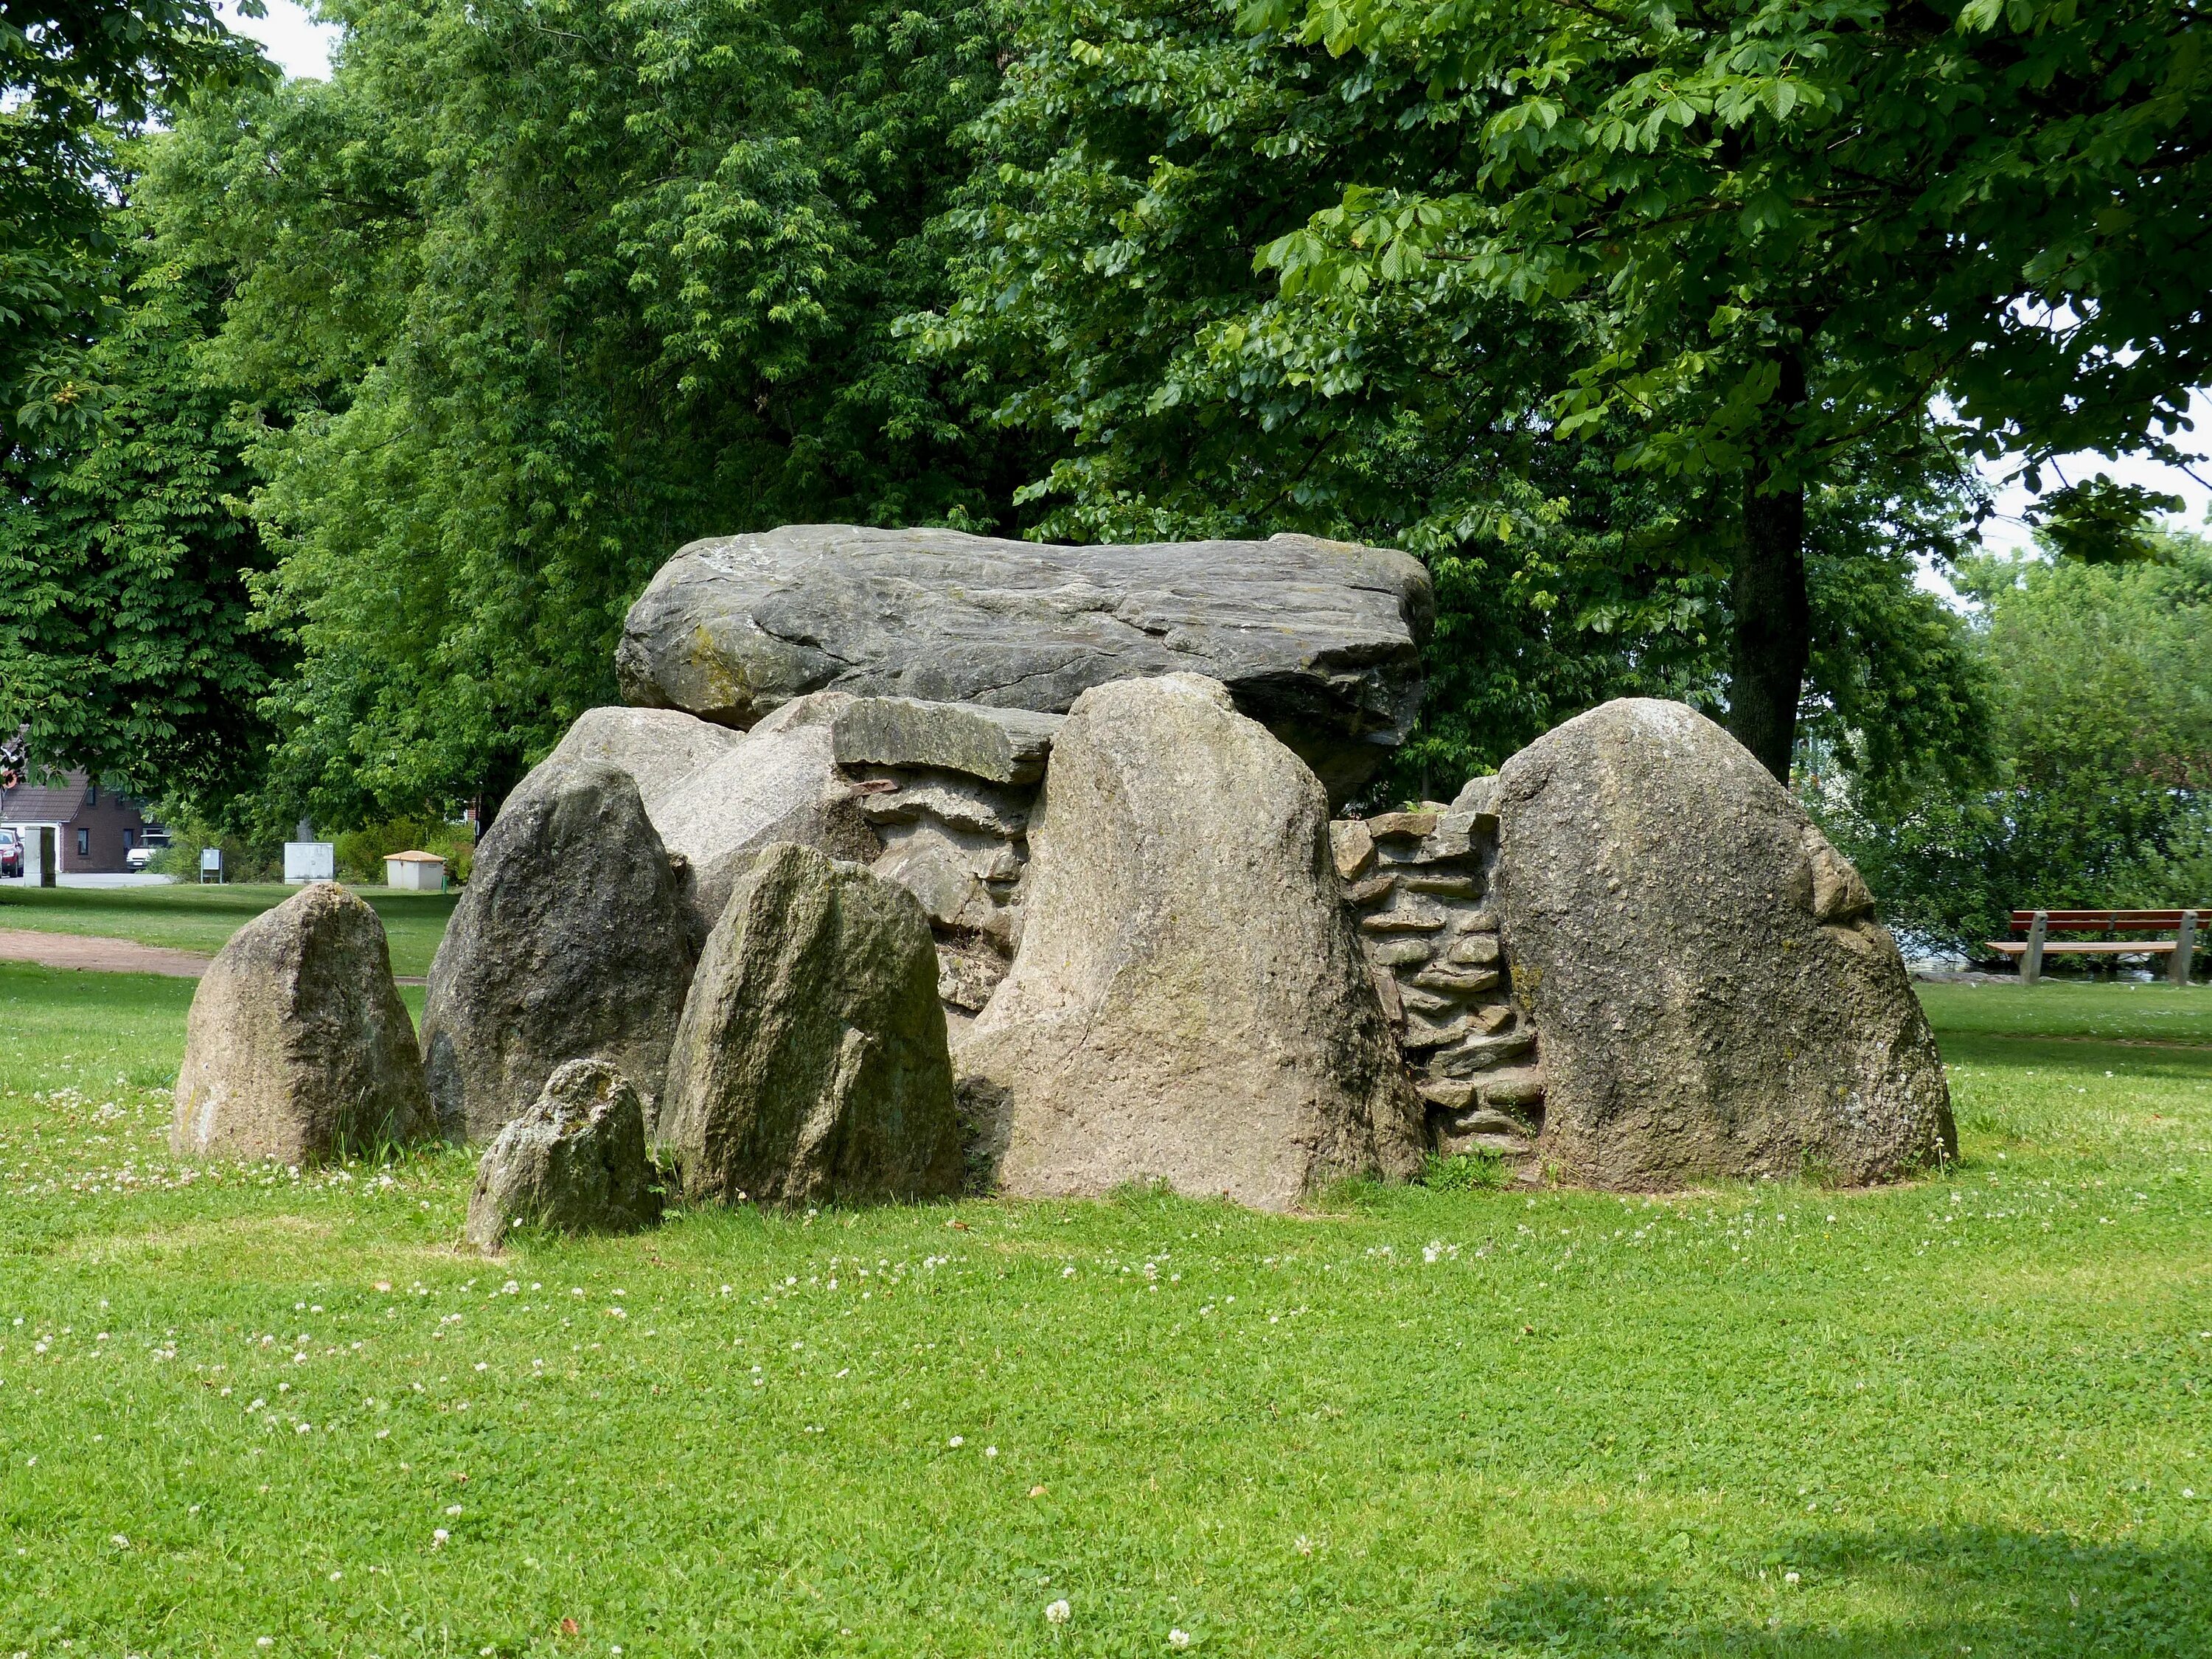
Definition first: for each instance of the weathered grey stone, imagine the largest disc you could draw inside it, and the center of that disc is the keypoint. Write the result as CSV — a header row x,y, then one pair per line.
x,y
1403,953
1351,847
966,978
1484,1046
1189,1004
1474,951
780,784
1405,919
1714,996
570,942
1522,1087
1319,640
659,748
961,803
810,1063
1453,1094
1445,883
1474,811
297,1046
999,745
1460,982
1486,1120
953,872
573,1162
1414,826
1437,1034
1373,887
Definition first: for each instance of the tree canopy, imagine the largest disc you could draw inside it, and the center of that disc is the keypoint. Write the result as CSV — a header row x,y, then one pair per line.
x,y
76,75
1668,334
1149,155
1791,229
526,295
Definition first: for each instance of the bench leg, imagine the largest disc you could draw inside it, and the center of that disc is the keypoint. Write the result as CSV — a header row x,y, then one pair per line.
x,y
2185,944
2031,963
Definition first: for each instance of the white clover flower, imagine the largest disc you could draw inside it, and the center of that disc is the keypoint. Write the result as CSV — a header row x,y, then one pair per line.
x,y
439,1537
957,1440
453,1509
264,1640
1178,1638
119,1540
1058,1613
1789,1577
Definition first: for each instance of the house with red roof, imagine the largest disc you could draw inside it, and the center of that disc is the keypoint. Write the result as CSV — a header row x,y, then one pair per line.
x,y
94,828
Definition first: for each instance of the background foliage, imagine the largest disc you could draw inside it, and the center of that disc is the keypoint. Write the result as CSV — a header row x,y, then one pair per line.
x,y
1115,303
2102,793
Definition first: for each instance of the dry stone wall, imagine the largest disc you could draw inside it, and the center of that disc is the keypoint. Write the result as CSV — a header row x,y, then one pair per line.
x,y
1422,883
949,789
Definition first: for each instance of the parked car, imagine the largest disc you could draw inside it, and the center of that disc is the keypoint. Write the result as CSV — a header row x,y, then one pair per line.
x,y
155,840
11,852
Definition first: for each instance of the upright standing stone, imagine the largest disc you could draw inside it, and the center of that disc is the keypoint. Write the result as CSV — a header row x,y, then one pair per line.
x,y
1712,993
297,1046
1188,1003
574,1162
810,1063
1321,640
570,943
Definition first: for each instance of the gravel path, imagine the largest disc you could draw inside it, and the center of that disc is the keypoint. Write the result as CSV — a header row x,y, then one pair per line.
x,y
97,954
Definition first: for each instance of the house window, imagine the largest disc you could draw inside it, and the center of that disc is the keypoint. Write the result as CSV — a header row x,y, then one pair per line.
x,y
84,843
92,796
129,839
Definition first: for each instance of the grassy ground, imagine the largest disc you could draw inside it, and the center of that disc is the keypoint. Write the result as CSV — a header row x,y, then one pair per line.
x,y
191,917
1967,1415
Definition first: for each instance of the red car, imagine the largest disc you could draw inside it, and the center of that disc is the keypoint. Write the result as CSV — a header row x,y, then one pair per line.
x,y
11,852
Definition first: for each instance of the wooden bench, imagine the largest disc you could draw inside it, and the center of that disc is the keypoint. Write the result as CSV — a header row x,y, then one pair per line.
x,y
2038,925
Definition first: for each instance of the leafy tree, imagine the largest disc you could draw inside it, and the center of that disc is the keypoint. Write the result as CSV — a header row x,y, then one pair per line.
x,y
2103,794
1786,228
73,75
127,644
526,295
1141,156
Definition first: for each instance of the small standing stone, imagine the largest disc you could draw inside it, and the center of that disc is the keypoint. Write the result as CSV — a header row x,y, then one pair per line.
x,y
575,1162
297,1046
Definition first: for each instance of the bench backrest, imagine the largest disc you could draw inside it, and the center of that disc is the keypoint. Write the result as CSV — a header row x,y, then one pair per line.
x,y
2115,922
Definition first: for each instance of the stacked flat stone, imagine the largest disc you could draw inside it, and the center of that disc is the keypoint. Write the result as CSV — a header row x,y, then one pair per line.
x,y
949,787
1421,882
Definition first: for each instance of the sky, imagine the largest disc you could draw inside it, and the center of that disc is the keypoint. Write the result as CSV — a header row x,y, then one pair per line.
x,y
302,47
294,41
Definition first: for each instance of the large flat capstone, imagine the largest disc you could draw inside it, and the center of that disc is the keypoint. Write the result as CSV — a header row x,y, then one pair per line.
x,y
1318,641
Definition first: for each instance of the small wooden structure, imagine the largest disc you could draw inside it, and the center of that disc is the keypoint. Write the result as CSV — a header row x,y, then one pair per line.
x,y
2039,925
416,872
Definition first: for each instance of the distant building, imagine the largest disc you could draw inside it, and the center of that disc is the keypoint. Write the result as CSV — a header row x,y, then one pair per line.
x,y
94,828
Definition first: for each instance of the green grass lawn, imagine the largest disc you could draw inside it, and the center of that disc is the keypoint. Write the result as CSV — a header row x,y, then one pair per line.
x,y
191,917
1969,1414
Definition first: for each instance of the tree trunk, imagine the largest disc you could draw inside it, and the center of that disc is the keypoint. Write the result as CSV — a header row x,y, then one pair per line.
x,y
502,771
1773,618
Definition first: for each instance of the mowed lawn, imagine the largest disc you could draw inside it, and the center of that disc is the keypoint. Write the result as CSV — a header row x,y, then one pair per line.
x,y
188,916
245,1412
